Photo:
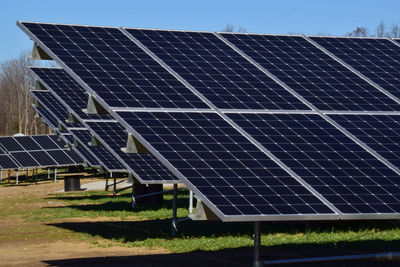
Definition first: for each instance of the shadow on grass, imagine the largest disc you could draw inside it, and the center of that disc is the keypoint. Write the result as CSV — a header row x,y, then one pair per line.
x,y
131,231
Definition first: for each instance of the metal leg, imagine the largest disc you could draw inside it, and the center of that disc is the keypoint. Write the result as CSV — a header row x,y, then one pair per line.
x,y
8,177
115,185
190,202
133,196
55,175
36,176
174,227
106,175
48,174
1,176
16,178
256,256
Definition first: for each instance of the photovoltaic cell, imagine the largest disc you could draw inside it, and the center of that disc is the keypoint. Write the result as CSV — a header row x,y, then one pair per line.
x,y
7,163
379,132
92,161
61,157
48,100
27,143
43,158
312,73
376,58
342,171
24,159
113,66
58,81
10,144
107,159
218,72
223,165
145,165
46,142
47,117
74,156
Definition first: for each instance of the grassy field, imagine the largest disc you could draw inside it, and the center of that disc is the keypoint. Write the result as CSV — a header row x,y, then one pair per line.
x,y
103,221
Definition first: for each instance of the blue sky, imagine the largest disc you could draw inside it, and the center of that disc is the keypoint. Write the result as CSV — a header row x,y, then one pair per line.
x,y
335,17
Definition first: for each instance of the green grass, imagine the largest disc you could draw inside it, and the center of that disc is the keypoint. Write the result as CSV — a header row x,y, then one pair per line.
x,y
150,226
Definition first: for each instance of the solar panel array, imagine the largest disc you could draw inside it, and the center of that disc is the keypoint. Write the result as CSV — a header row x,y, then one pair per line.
x,y
260,127
35,151
70,97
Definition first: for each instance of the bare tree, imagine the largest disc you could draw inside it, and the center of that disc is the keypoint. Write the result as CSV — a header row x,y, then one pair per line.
x,y
231,28
358,32
15,101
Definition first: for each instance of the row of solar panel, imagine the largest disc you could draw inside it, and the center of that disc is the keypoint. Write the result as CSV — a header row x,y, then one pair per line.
x,y
263,166
35,151
66,95
115,66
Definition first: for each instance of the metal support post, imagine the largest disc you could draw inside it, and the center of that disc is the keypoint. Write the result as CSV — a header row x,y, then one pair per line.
x,y
8,176
174,227
48,174
190,202
1,176
115,184
106,176
133,195
36,175
256,255
55,175
16,178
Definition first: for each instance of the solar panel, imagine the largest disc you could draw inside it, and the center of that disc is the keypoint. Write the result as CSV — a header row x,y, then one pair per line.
x,y
111,64
24,159
61,157
146,167
10,144
47,117
217,71
43,158
67,89
46,142
104,156
27,143
247,172
223,166
50,102
81,151
379,132
339,169
312,73
376,58
7,163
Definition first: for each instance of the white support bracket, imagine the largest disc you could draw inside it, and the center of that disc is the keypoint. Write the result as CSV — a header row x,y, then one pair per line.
x,y
134,146
39,86
93,107
72,119
39,54
203,213
94,142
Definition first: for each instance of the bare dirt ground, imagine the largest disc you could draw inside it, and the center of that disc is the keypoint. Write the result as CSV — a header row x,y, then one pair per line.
x,y
27,243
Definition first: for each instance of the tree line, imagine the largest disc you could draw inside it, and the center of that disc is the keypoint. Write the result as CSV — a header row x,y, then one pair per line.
x,y
16,112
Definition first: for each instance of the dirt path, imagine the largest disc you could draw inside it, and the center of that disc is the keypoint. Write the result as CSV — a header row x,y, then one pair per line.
x,y
39,244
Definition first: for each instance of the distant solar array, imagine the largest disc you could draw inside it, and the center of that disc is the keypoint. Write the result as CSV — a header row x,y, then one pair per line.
x,y
260,127
22,152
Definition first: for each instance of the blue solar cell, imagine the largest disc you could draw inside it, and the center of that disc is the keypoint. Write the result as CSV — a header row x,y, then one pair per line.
x,y
223,165
60,83
376,58
339,169
145,165
27,143
9,144
45,142
43,158
61,157
47,117
7,163
312,73
218,72
24,159
113,66
50,102
108,160
380,132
